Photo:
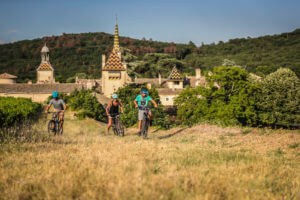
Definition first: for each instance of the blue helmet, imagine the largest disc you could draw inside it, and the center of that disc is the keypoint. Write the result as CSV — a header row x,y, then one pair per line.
x,y
115,96
55,94
144,90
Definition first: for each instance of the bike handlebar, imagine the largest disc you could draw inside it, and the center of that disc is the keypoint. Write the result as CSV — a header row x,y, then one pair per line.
x,y
55,112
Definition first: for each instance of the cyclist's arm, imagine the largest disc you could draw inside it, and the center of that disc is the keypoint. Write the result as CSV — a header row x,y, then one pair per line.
x,y
121,106
155,104
65,108
135,103
48,107
107,109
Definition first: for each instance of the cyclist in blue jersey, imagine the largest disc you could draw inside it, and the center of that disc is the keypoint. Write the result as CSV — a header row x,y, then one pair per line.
x,y
141,102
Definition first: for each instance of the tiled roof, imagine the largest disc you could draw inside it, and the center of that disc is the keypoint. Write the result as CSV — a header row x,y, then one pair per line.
x,y
6,75
149,80
114,62
116,39
45,67
167,91
175,75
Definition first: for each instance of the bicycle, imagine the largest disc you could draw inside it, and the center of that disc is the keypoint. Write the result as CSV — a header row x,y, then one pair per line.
x,y
145,123
117,125
54,124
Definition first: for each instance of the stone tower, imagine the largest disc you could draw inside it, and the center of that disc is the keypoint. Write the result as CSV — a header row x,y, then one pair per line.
x,y
114,74
45,72
175,79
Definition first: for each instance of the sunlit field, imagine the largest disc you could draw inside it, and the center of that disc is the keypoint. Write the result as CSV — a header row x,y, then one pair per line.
x,y
202,162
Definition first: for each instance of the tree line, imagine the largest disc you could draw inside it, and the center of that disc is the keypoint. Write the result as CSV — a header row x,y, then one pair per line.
x,y
81,53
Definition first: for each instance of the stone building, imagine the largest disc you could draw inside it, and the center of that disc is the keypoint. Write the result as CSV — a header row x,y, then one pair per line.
x,y
45,72
6,78
175,79
114,72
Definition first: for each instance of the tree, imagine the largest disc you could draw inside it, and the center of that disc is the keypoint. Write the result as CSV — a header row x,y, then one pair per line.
x,y
278,102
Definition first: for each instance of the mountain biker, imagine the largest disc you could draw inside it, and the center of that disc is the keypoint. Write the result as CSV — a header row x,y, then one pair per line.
x,y
59,106
112,110
141,102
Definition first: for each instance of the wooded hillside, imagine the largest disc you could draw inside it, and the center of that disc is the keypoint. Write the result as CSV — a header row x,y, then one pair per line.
x,y
81,53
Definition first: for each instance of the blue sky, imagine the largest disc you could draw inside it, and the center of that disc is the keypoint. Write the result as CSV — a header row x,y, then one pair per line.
x,y
164,20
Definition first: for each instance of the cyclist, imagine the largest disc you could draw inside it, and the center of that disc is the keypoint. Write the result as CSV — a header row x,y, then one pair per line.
x,y
59,106
141,102
112,110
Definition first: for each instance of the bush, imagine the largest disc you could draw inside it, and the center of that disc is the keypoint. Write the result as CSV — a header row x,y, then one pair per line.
x,y
228,100
15,111
87,104
16,119
278,103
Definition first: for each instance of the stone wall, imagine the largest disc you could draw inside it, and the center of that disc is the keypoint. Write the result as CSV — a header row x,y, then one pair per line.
x,y
7,81
40,98
39,88
37,92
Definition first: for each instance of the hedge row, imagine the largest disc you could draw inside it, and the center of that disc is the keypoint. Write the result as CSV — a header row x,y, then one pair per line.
x,y
15,111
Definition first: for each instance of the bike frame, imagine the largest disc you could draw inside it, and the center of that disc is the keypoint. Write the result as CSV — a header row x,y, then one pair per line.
x,y
55,118
116,125
145,123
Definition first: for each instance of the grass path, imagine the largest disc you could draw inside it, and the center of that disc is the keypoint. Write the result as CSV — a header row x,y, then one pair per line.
x,y
202,162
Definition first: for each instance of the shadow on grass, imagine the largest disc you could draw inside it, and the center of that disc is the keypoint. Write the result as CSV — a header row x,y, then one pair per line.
x,y
172,134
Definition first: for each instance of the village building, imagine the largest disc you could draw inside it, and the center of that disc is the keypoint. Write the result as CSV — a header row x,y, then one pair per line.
x,y
45,72
6,78
114,72
114,76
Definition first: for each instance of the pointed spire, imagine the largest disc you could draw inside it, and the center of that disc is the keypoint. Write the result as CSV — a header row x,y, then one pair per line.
x,y
175,75
116,39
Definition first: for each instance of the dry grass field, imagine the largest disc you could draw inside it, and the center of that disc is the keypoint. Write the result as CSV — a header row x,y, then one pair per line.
x,y
202,162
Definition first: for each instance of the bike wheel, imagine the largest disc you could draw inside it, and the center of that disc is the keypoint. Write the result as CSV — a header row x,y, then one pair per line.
x,y
51,127
115,131
144,128
61,130
121,129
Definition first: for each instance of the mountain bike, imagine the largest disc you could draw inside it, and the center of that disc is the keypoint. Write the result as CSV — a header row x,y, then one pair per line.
x,y
117,125
145,123
54,124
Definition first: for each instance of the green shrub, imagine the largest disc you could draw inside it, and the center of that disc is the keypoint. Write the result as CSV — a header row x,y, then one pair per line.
x,y
87,104
278,103
227,100
15,111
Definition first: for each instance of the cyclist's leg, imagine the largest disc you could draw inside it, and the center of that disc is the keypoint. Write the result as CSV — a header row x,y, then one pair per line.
x,y
150,115
109,124
140,125
61,119
140,117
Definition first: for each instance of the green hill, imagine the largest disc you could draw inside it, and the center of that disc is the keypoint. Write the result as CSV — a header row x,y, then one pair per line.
x,y
81,53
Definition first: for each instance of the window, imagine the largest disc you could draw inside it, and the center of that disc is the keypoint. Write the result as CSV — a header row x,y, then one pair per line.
x,y
167,99
176,82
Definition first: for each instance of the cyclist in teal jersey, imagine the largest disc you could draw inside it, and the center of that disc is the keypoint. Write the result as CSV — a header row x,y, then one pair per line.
x,y
141,102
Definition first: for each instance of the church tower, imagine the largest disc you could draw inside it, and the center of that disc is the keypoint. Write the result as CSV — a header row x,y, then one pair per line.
x,y
45,72
114,74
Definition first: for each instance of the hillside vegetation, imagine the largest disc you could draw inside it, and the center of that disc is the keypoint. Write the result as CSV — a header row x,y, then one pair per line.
x,y
203,162
81,53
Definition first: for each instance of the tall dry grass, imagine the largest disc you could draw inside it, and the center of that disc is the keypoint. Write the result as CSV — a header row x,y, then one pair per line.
x,y
203,162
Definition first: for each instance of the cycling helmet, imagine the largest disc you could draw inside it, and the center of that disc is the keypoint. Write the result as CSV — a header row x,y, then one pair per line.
x,y
144,90
55,94
115,96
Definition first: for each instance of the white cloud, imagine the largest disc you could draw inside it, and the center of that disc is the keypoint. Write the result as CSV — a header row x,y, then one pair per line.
x,y
2,42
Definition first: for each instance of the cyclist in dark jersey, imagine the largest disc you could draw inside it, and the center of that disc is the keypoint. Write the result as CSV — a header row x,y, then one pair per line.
x,y
112,110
